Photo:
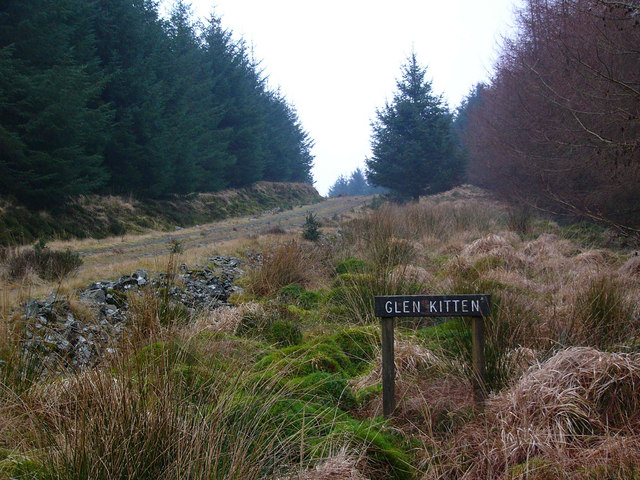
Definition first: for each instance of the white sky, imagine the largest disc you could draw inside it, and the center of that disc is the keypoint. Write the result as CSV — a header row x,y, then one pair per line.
x,y
337,61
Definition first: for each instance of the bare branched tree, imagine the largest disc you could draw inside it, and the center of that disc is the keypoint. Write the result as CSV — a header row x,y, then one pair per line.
x,y
559,126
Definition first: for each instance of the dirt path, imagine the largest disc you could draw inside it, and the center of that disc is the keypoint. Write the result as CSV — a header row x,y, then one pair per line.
x,y
158,243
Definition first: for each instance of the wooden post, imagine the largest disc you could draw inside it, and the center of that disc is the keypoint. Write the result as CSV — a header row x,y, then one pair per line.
x,y
479,388
388,368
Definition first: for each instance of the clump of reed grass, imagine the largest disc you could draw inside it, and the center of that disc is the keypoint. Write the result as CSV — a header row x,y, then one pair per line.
x,y
284,264
601,316
520,219
631,267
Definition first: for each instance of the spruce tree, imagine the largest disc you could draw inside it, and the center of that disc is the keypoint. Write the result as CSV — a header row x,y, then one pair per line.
x,y
52,126
414,151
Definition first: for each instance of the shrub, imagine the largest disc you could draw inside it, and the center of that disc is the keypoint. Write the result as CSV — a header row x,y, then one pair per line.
x,y
48,264
520,219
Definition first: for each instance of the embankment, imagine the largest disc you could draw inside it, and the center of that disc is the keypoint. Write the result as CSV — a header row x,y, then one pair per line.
x,y
102,216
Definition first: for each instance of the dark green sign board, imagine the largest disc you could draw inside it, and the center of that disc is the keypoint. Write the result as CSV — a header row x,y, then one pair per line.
x,y
433,306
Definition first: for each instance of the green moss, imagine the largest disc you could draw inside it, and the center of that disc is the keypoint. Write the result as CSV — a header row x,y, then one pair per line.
x,y
291,292
309,300
302,360
283,333
452,336
380,447
347,352
279,327
326,388
360,344
337,295
367,394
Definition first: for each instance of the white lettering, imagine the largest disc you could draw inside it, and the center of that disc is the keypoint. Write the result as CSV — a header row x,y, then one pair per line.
x,y
455,305
465,305
388,307
432,306
405,306
475,305
396,305
416,307
447,302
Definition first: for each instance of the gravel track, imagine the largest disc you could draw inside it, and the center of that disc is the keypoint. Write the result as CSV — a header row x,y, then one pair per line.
x,y
225,230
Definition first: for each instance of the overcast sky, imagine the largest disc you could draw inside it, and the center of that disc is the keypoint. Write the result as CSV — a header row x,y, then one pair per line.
x,y
337,61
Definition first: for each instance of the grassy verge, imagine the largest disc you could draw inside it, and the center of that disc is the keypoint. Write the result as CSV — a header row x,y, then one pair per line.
x,y
95,216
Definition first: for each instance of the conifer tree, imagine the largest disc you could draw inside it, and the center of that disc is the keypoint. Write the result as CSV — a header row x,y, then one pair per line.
x,y
413,147
52,127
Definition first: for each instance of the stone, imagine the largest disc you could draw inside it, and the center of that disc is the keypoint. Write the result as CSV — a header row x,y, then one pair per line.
x,y
97,295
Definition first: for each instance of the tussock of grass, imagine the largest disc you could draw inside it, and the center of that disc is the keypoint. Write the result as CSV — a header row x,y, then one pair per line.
x,y
284,264
601,315
631,268
573,402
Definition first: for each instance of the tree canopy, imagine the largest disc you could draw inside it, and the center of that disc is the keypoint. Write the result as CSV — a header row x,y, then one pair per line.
x,y
107,96
414,151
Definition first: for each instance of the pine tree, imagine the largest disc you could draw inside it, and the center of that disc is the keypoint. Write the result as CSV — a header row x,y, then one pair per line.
x,y
52,126
134,54
414,151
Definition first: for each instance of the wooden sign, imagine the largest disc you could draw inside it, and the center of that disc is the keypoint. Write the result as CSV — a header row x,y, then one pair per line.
x,y
389,307
433,306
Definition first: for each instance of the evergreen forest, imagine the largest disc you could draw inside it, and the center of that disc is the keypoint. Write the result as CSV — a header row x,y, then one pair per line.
x,y
108,96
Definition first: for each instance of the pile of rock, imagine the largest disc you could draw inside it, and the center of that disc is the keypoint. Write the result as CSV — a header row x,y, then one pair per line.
x,y
62,337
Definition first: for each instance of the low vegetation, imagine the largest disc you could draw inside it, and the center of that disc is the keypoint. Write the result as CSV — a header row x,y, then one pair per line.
x,y
285,382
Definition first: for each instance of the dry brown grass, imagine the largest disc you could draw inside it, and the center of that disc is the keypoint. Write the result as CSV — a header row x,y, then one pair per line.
x,y
224,319
575,416
338,467
286,263
575,403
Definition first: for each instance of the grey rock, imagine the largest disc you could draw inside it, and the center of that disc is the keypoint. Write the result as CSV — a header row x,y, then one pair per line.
x,y
97,295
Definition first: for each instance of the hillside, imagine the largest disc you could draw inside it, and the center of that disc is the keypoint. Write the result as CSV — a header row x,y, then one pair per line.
x,y
258,357
101,216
